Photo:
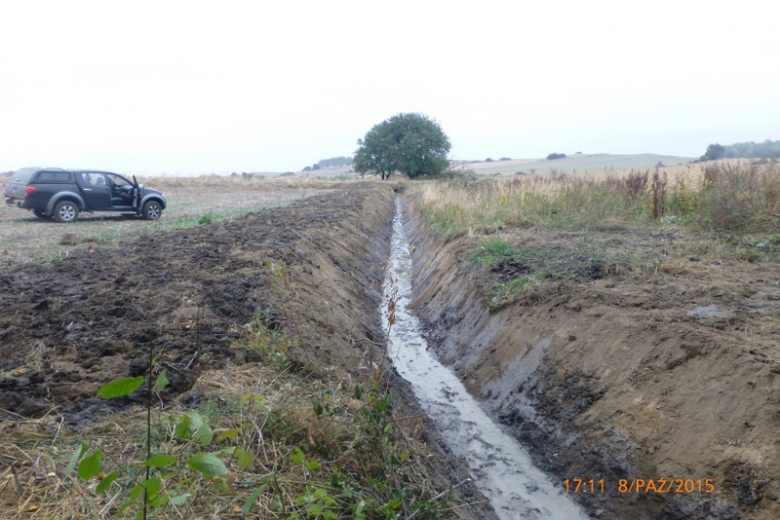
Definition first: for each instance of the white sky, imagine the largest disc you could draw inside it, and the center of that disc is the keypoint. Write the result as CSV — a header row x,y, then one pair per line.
x,y
192,87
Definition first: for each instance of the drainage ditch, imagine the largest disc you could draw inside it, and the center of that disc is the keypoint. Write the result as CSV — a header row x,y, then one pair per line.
x,y
500,467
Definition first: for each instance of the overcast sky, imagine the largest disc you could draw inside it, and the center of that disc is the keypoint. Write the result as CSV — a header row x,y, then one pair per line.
x,y
192,87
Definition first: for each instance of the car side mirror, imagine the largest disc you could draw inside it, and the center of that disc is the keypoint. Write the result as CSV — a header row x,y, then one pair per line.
x,y
140,186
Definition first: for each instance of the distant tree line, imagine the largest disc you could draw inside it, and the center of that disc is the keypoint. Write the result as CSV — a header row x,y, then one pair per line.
x,y
748,150
333,162
553,156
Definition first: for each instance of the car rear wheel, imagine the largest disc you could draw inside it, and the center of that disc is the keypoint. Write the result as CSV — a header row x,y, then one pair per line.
x,y
65,212
152,210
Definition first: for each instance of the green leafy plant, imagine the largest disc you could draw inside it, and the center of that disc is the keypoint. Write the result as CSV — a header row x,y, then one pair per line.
x,y
159,469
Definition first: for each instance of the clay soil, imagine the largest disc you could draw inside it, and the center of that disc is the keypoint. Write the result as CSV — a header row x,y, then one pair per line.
x,y
610,373
68,327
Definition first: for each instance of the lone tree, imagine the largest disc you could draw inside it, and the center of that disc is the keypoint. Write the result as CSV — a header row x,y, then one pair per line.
x,y
411,144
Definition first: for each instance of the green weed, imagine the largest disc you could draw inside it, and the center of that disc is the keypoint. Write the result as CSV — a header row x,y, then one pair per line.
x,y
492,251
502,293
208,218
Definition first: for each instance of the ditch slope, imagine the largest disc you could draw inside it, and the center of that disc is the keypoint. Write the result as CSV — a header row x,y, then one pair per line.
x,y
315,267
675,374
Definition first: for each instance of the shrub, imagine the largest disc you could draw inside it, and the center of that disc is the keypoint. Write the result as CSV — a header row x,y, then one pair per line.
x,y
635,184
658,191
740,197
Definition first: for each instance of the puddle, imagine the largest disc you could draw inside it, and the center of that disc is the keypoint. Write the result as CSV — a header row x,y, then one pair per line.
x,y
501,468
709,311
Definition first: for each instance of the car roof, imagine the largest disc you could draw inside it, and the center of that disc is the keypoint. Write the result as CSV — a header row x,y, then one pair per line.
x,y
35,169
42,168
58,169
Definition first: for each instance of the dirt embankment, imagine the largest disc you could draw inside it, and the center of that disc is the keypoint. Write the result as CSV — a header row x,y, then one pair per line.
x,y
674,375
314,268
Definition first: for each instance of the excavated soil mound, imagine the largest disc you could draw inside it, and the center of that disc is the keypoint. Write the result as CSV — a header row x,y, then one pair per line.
x,y
69,327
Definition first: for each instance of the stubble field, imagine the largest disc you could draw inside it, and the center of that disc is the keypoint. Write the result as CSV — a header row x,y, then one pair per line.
x,y
191,202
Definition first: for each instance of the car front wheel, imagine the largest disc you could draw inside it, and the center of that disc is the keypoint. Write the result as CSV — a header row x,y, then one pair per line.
x,y
152,210
65,212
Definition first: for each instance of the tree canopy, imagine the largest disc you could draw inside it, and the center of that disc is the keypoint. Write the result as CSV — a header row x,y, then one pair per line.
x,y
746,150
714,151
412,144
753,150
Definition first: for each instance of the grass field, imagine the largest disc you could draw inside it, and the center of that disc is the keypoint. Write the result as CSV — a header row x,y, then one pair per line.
x,y
591,163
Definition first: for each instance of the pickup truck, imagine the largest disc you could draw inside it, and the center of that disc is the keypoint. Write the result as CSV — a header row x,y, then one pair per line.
x,y
59,194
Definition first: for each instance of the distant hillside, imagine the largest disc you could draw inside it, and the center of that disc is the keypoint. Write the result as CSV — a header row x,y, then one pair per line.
x,y
580,163
333,162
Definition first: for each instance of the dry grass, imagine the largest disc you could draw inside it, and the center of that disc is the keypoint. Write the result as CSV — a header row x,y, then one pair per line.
x,y
263,408
239,183
714,196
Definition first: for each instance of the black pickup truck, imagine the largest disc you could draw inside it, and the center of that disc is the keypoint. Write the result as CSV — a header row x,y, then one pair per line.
x,y
62,194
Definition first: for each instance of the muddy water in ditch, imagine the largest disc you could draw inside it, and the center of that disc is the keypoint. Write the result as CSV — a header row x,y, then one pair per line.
x,y
501,468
